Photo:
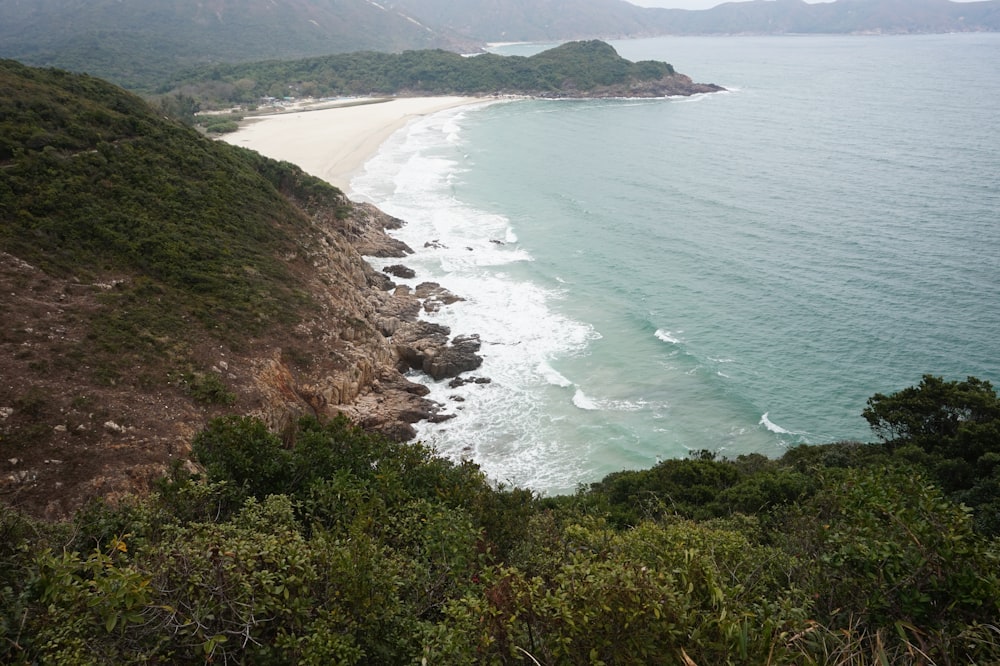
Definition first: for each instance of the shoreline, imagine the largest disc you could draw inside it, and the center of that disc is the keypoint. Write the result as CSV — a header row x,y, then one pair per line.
x,y
333,143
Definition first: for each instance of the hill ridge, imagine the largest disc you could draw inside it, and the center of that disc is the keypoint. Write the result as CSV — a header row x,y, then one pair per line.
x,y
154,279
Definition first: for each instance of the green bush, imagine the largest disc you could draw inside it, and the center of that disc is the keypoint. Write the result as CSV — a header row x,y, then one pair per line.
x,y
208,388
329,545
885,554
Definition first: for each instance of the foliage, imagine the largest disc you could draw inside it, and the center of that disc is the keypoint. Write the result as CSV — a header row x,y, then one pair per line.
x,y
951,429
222,126
661,593
700,487
959,418
208,388
330,545
179,107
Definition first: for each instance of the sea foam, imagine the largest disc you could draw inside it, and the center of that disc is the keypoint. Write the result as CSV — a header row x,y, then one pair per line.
x,y
667,336
502,425
766,422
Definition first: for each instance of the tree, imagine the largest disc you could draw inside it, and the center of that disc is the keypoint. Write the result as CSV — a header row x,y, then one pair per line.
x,y
951,429
180,107
958,419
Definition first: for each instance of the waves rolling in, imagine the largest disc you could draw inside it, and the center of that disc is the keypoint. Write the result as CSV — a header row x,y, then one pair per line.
x,y
735,272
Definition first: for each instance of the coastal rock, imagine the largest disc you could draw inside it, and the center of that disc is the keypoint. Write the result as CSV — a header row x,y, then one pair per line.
x,y
462,381
424,346
367,233
393,405
400,271
455,359
434,296
417,341
669,86
381,282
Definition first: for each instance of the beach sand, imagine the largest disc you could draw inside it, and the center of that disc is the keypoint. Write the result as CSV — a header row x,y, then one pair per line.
x,y
333,143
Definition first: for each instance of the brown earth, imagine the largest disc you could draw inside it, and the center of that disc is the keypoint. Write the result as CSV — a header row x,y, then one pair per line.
x,y
70,432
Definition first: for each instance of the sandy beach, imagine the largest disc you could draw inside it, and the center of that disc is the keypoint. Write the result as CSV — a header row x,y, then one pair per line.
x,y
333,143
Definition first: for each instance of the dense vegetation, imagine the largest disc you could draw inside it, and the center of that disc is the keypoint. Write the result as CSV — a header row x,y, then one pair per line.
x,y
572,67
330,546
97,186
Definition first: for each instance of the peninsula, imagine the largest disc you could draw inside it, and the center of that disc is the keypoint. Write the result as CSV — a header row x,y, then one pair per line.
x,y
591,69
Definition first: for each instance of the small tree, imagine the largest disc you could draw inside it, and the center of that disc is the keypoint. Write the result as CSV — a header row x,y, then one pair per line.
x,y
956,419
952,429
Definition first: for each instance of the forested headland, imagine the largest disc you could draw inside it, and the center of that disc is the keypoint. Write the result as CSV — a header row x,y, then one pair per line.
x,y
574,69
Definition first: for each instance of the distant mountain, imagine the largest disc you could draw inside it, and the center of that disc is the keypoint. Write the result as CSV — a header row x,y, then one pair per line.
x,y
140,43
541,20
532,20
842,16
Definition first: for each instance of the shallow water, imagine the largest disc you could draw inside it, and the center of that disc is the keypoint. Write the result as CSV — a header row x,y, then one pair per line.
x,y
737,272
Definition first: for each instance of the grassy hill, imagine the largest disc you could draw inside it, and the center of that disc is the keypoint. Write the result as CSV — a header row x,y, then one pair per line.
x,y
146,271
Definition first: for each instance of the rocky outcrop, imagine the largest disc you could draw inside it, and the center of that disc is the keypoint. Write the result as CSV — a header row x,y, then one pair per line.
x,y
434,296
672,85
425,346
366,229
367,335
70,434
400,271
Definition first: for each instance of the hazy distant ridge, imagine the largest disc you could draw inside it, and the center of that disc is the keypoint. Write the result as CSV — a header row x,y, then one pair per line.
x,y
142,42
493,20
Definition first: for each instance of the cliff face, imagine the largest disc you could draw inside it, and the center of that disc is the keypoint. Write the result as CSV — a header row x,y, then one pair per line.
x,y
152,279
69,436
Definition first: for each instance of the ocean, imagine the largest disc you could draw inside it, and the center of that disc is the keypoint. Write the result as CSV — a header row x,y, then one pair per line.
x,y
737,272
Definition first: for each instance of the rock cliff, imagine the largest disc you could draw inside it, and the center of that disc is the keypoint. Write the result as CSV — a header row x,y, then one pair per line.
x,y
68,439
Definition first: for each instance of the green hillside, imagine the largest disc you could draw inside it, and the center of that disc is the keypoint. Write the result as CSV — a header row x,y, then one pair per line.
x,y
140,44
136,256
96,184
135,253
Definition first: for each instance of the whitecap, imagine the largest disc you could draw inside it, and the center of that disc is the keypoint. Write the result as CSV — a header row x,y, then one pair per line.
x,y
583,401
629,405
503,425
552,375
766,422
667,336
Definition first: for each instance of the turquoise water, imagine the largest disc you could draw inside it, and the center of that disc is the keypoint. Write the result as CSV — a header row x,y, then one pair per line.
x,y
737,272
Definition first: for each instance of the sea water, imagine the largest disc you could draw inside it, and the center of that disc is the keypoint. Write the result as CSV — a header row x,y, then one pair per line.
x,y
736,272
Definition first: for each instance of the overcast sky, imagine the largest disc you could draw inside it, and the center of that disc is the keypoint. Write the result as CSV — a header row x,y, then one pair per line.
x,y
694,4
